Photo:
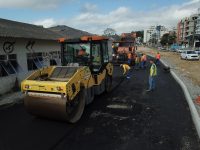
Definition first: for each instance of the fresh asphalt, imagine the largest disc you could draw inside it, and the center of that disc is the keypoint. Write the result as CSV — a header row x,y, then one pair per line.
x,y
127,118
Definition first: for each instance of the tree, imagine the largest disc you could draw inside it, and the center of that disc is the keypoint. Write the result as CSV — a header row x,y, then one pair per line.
x,y
109,32
168,39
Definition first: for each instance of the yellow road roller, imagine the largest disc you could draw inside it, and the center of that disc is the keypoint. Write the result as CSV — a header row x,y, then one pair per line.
x,y
62,92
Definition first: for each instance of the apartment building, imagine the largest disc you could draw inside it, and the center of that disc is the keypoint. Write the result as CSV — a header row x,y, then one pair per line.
x,y
154,33
187,28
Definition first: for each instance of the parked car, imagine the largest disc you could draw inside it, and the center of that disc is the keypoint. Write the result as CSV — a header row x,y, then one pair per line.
x,y
180,50
189,55
172,49
198,52
161,48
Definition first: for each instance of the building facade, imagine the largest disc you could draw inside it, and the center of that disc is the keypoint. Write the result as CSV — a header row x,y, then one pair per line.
x,y
187,30
148,34
23,49
154,34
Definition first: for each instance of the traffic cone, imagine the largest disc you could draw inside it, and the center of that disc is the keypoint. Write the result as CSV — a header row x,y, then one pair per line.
x,y
198,100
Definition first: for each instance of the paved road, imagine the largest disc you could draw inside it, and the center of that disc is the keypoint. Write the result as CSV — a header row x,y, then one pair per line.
x,y
125,119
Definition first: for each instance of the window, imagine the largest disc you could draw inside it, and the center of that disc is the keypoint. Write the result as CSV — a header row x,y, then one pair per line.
x,y
34,61
96,57
54,58
9,65
105,52
77,53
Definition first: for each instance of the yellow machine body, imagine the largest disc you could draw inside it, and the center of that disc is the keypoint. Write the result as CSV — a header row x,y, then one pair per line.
x,y
61,92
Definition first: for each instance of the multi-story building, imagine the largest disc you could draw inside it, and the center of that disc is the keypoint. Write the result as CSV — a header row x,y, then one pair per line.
x,y
198,26
182,31
148,34
197,33
154,34
187,29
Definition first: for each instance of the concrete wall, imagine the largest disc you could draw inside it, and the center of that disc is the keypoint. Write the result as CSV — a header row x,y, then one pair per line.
x,y
7,83
21,51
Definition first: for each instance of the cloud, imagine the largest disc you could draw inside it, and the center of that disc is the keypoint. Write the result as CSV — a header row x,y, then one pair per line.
x,y
88,7
33,4
125,19
49,22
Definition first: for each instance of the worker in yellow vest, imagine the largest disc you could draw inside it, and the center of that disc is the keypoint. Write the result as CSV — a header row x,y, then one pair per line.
x,y
152,76
126,69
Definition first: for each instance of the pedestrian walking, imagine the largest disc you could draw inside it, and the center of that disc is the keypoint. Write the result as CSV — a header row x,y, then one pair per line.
x,y
157,58
152,76
127,70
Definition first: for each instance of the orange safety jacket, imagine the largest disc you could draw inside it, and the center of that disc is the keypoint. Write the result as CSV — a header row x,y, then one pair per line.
x,y
144,58
157,56
129,56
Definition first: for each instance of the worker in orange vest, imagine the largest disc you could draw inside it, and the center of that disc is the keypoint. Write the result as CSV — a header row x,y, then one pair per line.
x,y
157,58
137,62
129,55
143,60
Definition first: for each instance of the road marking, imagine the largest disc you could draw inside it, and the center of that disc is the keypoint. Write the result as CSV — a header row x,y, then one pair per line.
x,y
120,106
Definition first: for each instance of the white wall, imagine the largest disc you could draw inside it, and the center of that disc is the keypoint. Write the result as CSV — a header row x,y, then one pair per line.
x,y
20,50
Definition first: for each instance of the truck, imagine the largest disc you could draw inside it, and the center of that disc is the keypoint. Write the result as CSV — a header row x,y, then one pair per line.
x,y
124,49
62,92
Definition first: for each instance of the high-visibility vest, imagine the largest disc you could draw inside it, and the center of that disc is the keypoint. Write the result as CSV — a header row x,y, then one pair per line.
x,y
129,56
144,58
126,68
137,60
157,56
153,70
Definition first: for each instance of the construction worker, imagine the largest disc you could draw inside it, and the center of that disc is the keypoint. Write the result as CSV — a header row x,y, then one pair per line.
x,y
129,55
137,62
152,76
157,58
143,60
83,55
126,69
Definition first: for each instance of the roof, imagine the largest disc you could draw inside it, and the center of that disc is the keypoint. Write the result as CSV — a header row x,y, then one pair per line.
x,y
68,32
16,29
84,39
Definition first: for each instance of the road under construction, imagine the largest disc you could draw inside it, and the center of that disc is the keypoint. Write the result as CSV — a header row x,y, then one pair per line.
x,y
126,118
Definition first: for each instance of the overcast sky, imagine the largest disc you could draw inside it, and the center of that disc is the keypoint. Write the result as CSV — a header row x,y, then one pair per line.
x,y
96,15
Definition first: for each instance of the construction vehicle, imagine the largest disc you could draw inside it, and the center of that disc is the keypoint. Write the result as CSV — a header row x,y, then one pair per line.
x,y
124,48
61,92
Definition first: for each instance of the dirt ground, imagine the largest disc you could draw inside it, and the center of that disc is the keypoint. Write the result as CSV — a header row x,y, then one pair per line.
x,y
189,69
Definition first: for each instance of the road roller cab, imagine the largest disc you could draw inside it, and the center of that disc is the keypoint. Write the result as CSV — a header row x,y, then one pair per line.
x,y
61,92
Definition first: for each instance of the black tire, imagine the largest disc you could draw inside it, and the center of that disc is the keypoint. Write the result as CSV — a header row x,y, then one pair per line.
x,y
76,107
108,83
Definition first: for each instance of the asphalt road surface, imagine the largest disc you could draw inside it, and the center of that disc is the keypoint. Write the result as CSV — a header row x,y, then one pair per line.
x,y
127,118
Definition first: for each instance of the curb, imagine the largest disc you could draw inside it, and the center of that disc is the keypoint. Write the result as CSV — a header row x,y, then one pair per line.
x,y
11,99
193,110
